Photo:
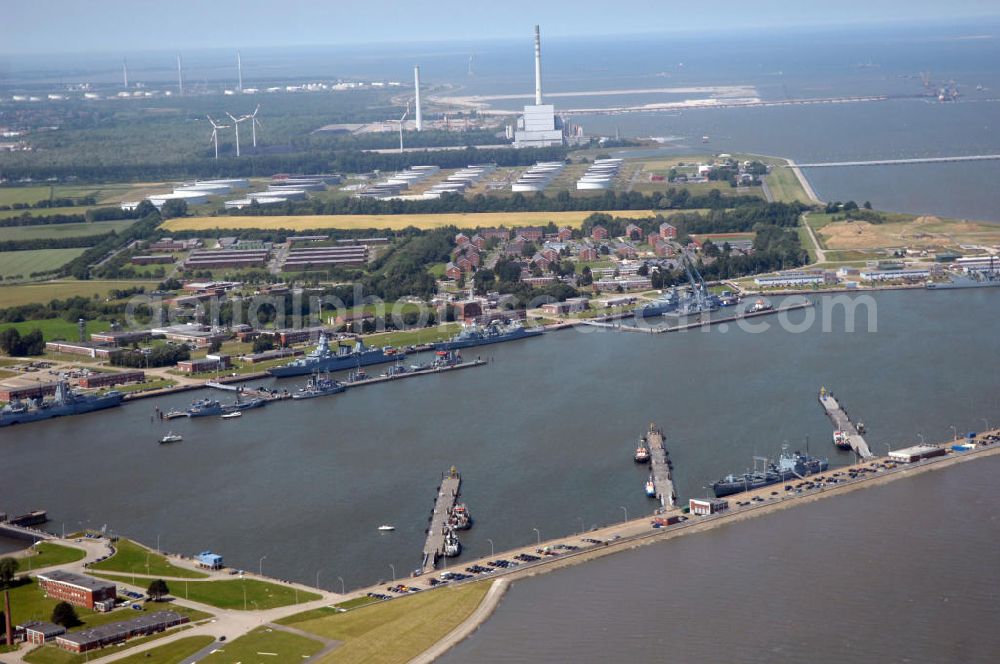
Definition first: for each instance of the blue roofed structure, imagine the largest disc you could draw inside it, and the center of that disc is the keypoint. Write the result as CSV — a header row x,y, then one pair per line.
x,y
210,560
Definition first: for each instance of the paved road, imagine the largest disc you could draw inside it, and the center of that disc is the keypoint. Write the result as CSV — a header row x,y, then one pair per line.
x,y
820,252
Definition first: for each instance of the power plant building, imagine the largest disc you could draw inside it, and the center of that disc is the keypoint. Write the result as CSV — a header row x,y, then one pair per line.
x,y
537,128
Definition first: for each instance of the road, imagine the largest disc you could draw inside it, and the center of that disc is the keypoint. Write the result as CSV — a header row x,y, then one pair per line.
x,y
820,252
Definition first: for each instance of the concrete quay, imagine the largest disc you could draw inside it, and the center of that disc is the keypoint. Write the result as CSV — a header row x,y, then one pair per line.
x,y
843,423
444,502
659,460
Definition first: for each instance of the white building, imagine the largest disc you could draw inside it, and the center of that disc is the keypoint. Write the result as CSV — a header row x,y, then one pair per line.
x,y
790,279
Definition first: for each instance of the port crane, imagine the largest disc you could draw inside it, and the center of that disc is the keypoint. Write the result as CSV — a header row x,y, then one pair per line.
x,y
699,290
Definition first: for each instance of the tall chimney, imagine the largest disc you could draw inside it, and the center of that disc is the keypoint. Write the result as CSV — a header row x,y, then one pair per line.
x,y
125,72
538,67
7,622
239,71
419,123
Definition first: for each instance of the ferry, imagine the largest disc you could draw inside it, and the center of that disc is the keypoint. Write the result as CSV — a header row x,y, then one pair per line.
x,y
324,359
789,466
496,332
65,402
171,437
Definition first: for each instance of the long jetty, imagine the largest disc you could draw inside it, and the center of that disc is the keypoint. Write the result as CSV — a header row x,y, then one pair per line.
x,y
843,423
447,496
901,162
663,479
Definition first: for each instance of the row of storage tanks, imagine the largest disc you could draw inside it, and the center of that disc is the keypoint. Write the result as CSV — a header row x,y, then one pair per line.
x,y
396,184
538,177
458,182
280,190
600,175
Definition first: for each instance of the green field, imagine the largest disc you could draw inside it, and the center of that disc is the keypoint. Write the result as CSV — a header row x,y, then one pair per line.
x,y
57,328
785,187
29,195
13,295
130,557
424,335
51,231
39,260
170,653
43,212
392,632
279,646
225,593
49,554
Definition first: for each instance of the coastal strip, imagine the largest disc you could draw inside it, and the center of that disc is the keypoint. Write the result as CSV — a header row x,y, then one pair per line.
x,y
810,192
485,609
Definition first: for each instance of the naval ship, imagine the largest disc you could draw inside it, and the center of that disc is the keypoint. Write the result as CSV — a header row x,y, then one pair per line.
x,y
322,358
976,279
65,402
789,466
494,333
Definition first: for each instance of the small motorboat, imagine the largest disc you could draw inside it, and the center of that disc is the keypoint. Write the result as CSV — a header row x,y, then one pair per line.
x,y
386,528
232,416
650,487
171,437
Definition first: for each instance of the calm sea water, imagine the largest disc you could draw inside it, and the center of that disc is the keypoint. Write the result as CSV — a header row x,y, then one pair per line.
x,y
897,573
543,437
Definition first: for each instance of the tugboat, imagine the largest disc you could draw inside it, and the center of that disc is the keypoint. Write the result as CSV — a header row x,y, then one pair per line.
x,y
452,547
650,487
789,466
641,453
760,306
460,517
238,405
840,440
447,358
171,437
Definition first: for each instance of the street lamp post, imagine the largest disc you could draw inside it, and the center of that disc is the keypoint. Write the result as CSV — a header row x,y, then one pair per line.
x,y
393,568
954,431
921,437
157,543
538,536
244,586
580,518
342,591
317,578
260,565
888,448
624,509
491,546
985,421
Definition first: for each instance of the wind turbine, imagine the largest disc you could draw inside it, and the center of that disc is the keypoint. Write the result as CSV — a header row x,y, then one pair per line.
x,y
254,123
401,127
236,123
215,134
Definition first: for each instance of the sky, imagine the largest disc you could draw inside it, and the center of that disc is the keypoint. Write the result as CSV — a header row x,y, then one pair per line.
x,y
61,26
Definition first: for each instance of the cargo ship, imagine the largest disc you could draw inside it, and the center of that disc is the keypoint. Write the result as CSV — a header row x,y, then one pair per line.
x,y
494,333
65,402
789,466
323,358
318,387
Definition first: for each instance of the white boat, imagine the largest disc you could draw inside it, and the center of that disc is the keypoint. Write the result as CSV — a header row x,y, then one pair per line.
x,y
650,488
231,416
172,437
386,528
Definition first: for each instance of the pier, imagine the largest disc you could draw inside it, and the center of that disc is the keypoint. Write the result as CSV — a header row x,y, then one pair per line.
x,y
663,479
843,423
447,496
900,162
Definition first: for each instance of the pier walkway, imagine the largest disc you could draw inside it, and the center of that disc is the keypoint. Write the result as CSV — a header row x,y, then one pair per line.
x,y
843,423
659,460
898,162
701,321
447,496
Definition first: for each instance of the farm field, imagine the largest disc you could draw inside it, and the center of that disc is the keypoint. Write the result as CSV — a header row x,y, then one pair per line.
x,y
39,260
51,231
14,295
43,212
390,221
922,232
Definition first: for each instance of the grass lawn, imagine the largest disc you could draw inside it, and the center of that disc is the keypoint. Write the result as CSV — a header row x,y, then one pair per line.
x,y
50,231
145,387
23,263
265,644
390,221
806,241
44,212
29,195
13,295
228,594
48,554
57,328
170,653
391,632
424,335
785,187
129,556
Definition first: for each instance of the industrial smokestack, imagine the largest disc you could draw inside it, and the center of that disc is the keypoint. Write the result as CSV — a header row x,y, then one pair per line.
x,y
125,72
239,71
180,77
416,85
538,67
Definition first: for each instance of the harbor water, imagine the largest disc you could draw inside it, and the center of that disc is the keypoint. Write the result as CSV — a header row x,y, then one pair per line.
x,y
895,573
543,437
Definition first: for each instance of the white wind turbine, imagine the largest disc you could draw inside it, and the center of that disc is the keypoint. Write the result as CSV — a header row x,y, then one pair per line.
x,y
401,120
254,123
215,133
236,123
